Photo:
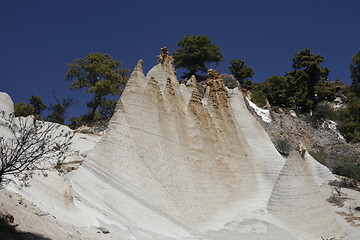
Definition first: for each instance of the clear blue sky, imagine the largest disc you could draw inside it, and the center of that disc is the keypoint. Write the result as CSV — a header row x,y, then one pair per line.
x,y
38,37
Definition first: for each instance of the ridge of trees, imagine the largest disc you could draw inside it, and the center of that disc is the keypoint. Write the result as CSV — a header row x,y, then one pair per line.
x,y
36,108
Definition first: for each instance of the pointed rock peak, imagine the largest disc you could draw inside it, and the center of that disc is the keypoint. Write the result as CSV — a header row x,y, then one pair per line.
x,y
165,60
191,82
164,56
119,105
213,74
139,67
302,149
296,199
215,81
218,94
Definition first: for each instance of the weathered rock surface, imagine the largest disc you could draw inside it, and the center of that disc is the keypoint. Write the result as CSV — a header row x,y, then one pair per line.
x,y
175,165
297,201
6,104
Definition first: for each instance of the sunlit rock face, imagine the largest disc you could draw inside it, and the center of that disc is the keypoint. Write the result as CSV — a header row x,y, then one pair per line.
x,y
185,159
6,108
6,104
190,159
297,200
175,163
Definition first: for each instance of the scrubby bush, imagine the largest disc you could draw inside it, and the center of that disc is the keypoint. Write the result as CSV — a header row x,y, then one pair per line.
x,y
319,156
283,146
258,97
30,146
325,111
349,167
349,125
230,81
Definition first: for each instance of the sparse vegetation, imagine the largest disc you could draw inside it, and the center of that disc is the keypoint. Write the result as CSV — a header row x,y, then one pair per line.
x,y
319,156
258,97
230,81
28,146
324,111
349,167
350,118
283,146
355,73
35,107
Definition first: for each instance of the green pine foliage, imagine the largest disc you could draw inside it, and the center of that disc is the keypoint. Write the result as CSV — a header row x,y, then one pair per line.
x,y
22,109
59,110
35,107
195,53
100,75
107,108
241,72
355,73
307,74
279,91
257,96
38,105
350,118
303,87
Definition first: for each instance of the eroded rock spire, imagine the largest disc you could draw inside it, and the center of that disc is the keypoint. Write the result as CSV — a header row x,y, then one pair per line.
x,y
164,56
139,67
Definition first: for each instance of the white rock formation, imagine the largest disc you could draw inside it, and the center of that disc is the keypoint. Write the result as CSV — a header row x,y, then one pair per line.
x,y
298,202
173,165
6,104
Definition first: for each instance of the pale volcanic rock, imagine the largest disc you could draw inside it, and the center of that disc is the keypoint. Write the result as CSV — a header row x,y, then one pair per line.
x,y
297,200
173,164
6,104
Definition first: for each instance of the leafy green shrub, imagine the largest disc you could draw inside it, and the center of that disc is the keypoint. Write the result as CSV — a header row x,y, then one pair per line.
x,y
325,111
319,156
248,85
258,97
283,146
349,167
230,81
350,118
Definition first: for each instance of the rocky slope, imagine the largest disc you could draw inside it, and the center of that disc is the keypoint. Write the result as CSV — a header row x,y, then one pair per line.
x,y
320,137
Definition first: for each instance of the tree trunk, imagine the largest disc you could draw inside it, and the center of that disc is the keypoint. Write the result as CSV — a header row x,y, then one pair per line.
x,y
96,103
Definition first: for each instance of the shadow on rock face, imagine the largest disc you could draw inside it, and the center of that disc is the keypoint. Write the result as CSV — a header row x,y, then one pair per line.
x,y
9,232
